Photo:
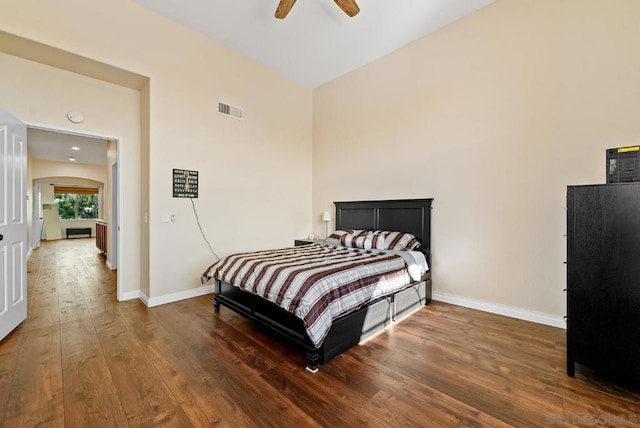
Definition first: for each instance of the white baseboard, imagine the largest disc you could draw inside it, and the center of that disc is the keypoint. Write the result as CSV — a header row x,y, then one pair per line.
x,y
129,295
494,308
108,264
144,298
174,297
167,298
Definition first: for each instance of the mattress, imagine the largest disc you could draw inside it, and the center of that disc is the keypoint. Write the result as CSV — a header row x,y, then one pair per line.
x,y
319,283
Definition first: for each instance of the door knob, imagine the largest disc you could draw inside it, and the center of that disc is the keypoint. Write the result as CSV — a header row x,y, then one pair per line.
x,y
1,237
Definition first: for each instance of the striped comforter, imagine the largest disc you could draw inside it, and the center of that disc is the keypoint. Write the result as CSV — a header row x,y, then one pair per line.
x,y
316,283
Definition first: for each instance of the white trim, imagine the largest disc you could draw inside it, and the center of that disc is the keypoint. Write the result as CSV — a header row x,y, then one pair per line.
x,y
71,131
115,222
174,297
129,295
144,298
509,311
115,207
109,265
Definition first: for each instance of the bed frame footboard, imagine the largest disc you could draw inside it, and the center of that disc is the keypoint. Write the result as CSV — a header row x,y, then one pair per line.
x,y
345,332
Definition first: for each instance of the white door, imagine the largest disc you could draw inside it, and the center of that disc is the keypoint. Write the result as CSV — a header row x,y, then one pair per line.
x,y
13,225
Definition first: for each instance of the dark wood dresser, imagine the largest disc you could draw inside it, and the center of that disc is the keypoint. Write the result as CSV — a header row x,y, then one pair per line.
x,y
603,279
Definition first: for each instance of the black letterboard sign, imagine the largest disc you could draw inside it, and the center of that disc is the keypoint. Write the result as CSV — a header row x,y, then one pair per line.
x,y
185,183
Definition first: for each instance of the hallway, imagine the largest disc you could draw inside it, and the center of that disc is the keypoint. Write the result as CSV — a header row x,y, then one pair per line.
x,y
68,286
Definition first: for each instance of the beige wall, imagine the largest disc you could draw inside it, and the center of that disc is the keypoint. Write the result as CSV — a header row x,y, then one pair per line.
x,y
493,116
42,95
255,174
144,185
67,171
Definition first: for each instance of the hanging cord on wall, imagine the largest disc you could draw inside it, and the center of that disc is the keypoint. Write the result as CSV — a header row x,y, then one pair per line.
x,y
202,231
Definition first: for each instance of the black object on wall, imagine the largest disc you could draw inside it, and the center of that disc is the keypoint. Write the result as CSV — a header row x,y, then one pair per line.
x,y
623,164
603,279
185,183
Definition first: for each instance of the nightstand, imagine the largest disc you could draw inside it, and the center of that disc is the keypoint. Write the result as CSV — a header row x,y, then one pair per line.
x,y
299,242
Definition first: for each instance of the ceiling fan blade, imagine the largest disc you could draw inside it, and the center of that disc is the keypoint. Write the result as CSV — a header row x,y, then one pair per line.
x,y
283,8
348,6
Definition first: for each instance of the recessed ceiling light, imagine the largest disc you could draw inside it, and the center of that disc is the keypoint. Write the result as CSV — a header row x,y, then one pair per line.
x,y
75,148
72,159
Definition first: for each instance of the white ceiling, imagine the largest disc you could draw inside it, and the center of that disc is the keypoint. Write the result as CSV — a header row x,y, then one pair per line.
x,y
316,42
56,146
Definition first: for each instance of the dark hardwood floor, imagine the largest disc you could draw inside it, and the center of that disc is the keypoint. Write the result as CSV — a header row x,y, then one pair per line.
x,y
82,359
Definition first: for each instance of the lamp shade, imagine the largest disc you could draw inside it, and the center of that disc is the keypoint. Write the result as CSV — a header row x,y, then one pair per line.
x,y
326,216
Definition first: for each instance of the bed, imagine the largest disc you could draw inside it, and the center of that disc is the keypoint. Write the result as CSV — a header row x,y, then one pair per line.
x,y
406,215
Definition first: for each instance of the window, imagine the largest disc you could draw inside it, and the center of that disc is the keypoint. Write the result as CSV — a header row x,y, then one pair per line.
x,y
77,202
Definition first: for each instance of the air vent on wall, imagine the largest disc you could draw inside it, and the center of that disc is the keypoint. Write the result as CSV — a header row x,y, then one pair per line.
x,y
229,110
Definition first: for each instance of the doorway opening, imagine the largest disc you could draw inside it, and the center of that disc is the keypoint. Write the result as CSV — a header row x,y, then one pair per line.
x,y
75,185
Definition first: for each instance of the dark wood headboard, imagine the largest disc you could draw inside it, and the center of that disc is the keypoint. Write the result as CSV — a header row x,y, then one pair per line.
x,y
402,215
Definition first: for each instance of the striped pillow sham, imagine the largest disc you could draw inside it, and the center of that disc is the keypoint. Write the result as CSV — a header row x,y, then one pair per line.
x,y
379,240
346,238
401,241
355,241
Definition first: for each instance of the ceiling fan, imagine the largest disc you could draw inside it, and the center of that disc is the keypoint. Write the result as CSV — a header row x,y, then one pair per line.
x,y
348,6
